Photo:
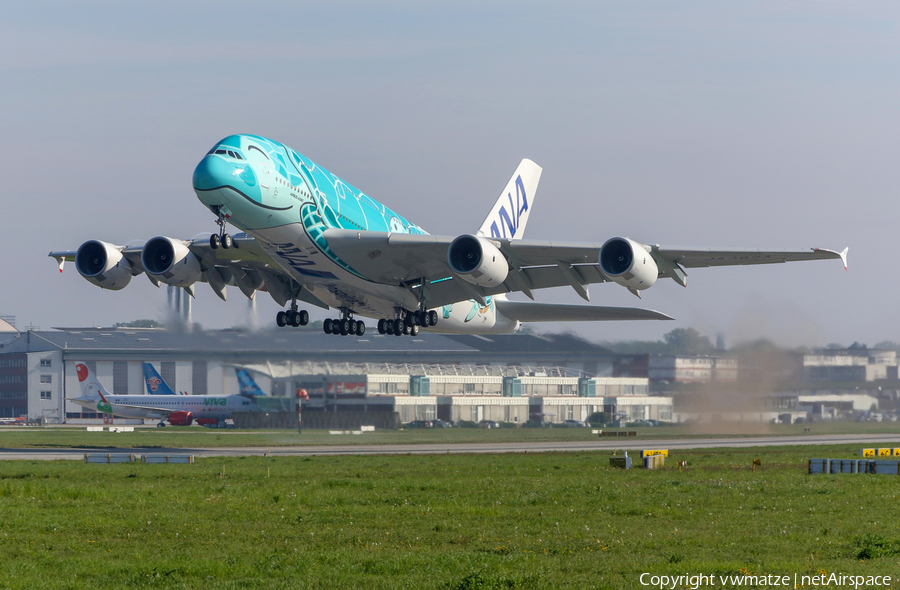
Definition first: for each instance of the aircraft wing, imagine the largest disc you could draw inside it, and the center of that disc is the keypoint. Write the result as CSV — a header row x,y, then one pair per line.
x,y
526,311
165,411
245,265
535,264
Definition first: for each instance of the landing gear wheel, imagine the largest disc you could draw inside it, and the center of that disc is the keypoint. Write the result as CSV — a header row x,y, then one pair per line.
x,y
407,329
215,241
381,326
398,328
335,327
432,318
326,326
414,331
161,425
360,328
296,318
279,319
227,242
304,317
345,327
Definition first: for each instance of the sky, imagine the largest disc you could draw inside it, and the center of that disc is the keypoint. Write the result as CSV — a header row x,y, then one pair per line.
x,y
770,124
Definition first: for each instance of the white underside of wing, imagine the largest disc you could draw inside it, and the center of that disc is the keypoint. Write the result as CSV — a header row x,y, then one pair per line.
x,y
524,311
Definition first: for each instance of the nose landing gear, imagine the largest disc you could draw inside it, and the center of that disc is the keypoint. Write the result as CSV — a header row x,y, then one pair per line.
x,y
221,239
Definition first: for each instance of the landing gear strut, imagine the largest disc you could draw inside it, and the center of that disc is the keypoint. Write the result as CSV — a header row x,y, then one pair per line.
x,y
345,325
292,317
221,239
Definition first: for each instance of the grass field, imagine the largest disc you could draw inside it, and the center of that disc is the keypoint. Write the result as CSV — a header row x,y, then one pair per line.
x,y
49,437
447,521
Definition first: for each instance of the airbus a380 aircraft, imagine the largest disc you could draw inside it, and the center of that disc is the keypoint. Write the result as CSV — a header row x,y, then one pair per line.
x,y
310,237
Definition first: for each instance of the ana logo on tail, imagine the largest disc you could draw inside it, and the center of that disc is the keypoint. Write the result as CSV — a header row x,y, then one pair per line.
x,y
509,216
507,220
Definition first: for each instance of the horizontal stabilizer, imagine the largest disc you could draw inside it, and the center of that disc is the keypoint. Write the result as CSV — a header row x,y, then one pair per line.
x,y
554,312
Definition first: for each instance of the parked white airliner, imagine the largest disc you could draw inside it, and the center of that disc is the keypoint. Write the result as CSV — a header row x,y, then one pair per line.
x,y
179,410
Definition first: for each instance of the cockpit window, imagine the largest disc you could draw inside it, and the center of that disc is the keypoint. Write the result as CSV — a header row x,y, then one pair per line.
x,y
223,152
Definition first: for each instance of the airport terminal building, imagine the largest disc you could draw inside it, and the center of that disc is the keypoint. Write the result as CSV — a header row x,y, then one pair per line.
x,y
508,378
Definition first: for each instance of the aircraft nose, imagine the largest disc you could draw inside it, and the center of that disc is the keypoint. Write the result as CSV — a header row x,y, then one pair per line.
x,y
213,172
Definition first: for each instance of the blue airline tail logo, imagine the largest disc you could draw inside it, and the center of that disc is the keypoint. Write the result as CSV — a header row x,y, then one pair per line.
x,y
517,209
248,385
155,384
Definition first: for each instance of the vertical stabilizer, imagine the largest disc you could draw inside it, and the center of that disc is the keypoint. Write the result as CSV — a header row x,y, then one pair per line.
x,y
155,384
90,386
509,215
248,385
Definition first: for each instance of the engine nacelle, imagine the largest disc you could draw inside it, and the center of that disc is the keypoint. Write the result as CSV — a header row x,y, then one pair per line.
x,y
181,418
171,262
628,263
102,264
478,261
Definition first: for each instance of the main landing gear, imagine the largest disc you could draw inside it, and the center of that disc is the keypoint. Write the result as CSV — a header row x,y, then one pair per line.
x,y
221,239
408,323
292,317
345,325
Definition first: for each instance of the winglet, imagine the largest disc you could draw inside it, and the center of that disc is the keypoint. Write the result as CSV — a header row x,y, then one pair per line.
x,y
833,254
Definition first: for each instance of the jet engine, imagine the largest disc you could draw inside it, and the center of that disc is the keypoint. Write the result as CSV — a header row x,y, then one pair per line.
x,y
171,262
477,261
181,418
102,264
628,263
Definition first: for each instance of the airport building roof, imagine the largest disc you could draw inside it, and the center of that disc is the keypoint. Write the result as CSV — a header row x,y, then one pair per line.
x,y
286,344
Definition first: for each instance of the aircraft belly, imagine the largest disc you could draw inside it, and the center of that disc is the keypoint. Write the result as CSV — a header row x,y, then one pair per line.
x,y
470,317
303,260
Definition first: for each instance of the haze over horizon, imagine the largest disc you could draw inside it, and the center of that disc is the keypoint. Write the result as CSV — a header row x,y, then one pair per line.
x,y
702,124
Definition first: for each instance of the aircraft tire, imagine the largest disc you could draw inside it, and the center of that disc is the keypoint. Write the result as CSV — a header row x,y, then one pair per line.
x,y
407,329
296,319
326,326
398,328
381,328
304,317
227,242
335,327
360,328
214,241
432,318
345,327
414,331
279,319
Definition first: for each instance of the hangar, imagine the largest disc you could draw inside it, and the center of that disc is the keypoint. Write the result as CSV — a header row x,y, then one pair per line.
x,y
510,378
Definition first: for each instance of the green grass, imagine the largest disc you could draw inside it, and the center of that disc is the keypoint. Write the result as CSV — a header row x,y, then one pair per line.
x,y
446,521
196,437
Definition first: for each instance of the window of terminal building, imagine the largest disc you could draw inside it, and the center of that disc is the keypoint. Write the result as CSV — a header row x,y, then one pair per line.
x,y
46,395
46,378
46,363
199,385
469,387
120,377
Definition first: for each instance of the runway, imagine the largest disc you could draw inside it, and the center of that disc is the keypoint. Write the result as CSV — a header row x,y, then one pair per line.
x,y
884,440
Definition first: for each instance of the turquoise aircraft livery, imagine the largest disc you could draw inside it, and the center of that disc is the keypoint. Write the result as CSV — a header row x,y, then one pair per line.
x,y
308,238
